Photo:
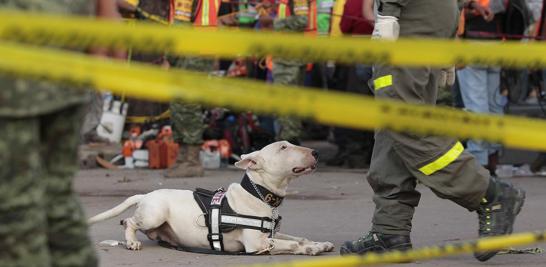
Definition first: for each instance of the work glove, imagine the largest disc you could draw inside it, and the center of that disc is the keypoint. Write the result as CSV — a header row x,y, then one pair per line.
x,y
447,77
386,28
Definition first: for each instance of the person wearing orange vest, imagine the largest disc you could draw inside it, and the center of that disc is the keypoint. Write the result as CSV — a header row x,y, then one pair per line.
x,y
319,17
401,160
186,118
292,15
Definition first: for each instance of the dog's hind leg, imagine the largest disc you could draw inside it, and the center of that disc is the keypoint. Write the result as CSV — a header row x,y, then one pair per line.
x,y
131,241
145,218
163,233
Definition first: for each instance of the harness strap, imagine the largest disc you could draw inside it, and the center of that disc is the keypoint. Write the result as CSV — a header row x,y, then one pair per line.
x,y
220,218
215,235
263,224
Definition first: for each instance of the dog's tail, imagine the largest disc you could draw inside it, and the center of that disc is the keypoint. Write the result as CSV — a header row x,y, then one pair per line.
x,y
117,210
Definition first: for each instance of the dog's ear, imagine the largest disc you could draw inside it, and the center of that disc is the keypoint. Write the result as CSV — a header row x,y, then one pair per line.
x,y
251,161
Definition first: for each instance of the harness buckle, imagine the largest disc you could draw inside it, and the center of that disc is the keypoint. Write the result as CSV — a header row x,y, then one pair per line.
x,y
215,237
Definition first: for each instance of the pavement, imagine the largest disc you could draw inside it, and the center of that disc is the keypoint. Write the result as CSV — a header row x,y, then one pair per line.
x,y
329,205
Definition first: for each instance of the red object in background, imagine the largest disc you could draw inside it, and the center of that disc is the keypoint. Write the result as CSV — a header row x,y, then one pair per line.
x,y
169,151
353,21
127,149
154,154
221,145
161,154
133,143
163,151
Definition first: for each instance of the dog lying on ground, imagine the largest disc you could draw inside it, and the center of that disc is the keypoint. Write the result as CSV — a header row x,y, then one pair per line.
x,y
177,217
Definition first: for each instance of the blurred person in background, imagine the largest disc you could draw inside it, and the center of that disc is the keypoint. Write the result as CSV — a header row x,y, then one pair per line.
x,y
480,86
187,118
354,146
292,16
42,222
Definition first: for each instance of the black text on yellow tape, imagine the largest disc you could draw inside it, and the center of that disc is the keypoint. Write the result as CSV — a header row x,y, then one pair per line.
x,y
350,110
84,32
486,244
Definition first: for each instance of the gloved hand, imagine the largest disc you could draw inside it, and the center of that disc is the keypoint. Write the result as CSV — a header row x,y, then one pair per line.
x,y
447,77
386,28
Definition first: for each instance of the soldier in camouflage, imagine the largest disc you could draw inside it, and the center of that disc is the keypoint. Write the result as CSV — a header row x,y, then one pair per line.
x,y
188,126
186,118
42,222
290,72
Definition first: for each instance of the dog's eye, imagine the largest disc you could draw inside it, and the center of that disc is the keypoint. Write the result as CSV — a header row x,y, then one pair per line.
x,y
283,147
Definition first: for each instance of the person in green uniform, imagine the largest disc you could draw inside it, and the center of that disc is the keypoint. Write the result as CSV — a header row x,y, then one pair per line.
x,y
290,71
399,160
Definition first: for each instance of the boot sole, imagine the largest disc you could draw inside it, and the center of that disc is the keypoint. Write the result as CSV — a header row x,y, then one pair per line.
x,y
401,247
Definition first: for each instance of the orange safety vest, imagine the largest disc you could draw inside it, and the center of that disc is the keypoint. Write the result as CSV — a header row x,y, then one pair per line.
x,y
182,10
462,18
207,13
301,7
312,17
484,3
283,10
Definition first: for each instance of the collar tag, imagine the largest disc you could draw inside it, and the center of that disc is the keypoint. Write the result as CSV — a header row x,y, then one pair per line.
x,y
261,192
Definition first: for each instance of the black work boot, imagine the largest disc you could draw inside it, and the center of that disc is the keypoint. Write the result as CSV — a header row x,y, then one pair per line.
x,y
376,242
498,212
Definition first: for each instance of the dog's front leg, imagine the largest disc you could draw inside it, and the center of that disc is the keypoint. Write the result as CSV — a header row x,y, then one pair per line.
x,y
282,246
290,237
259,243
327,246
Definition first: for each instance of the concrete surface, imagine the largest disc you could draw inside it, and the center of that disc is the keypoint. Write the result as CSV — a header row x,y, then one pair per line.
x,y
330,205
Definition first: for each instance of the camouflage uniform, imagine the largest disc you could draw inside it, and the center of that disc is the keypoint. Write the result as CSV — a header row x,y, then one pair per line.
x,y
41,220
187,118
289,72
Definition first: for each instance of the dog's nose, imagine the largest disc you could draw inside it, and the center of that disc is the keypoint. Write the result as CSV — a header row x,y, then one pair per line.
x,y
315,154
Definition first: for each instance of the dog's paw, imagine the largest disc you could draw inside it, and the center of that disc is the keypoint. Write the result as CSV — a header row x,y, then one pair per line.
x,y
328,246
133,245
324,246
312,250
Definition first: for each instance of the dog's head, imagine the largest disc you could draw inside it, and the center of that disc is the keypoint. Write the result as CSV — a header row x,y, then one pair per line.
x,y
280,159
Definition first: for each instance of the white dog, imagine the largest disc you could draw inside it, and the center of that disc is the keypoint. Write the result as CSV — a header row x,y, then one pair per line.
x,y
174,216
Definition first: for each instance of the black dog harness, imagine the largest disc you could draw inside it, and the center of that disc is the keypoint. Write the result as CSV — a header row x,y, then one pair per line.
x,y
220,218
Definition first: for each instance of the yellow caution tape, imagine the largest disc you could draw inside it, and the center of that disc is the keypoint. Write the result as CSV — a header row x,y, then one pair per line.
x,y
485,244
77,32
350,110
144,119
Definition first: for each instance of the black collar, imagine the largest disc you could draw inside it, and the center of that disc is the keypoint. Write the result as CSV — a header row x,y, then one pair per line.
x,y
261,192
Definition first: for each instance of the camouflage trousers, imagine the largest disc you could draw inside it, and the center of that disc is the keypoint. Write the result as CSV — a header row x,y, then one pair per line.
x,y
187,118
288,72
41,221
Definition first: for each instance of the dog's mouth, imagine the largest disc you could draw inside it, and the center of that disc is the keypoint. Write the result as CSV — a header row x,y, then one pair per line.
x,y
301,170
